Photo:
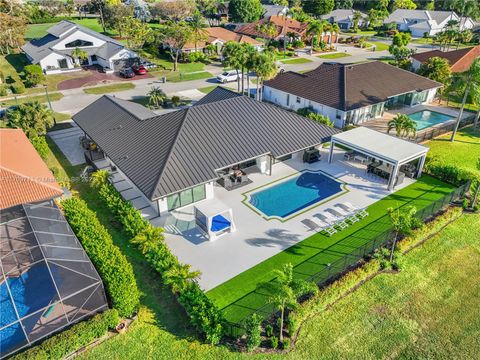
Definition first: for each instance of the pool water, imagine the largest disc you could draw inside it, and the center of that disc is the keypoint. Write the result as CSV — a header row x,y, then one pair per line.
x,y
427,118
294,194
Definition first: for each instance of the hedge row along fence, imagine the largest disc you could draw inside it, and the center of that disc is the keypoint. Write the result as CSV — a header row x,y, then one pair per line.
x,y
113,267
76,337
202,313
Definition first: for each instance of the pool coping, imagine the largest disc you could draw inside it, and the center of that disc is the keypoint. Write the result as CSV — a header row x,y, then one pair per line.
x,y
246,196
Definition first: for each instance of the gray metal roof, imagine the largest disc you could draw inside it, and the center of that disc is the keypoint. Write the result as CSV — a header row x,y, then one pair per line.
x,y
217,94
167,153
401,15
37,49
342,15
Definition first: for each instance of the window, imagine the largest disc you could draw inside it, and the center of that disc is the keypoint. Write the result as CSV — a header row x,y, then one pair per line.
x,y
185,197
62,64
93,58
338,114
298,100
288,99
78,43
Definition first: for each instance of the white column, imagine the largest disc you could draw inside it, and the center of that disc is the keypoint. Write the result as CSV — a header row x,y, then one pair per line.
x,y
330,154
393,177
420,165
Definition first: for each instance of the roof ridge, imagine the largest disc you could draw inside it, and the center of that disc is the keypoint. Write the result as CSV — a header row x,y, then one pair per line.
x,y
111,98
167,158
32,179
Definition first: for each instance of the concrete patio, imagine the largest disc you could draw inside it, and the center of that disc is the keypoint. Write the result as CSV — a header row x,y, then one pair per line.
x,y
257,239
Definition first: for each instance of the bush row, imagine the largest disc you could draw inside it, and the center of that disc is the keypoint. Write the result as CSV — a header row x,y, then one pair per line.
x,y
201,311
113,267
68,341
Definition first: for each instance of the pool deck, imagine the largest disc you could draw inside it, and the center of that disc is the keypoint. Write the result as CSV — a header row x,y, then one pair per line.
x,y
255,238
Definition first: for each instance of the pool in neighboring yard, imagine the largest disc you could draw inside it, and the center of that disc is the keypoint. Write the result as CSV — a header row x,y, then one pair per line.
x,y
427,118
295,193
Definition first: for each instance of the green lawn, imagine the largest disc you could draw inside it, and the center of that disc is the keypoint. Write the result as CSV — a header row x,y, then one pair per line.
x,y
110,88
298,60
379,45
40,98
464,152
360,33
238,297
182,76
208,89
337,55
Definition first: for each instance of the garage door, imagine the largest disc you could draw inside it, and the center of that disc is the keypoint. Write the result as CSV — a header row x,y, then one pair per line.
x,y
123,63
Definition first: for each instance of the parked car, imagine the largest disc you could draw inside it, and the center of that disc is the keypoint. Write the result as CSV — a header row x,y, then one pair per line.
x,y
228,76
139,69
147,64
127,73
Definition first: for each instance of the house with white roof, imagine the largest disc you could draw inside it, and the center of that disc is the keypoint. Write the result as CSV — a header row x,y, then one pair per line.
x,y
53,52
421,22
344,18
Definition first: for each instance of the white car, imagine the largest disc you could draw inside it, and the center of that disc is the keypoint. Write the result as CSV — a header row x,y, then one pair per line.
x,y
228,76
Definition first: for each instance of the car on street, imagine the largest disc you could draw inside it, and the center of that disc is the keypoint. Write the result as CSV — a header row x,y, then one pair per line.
x,y
228,76
127,73
139,69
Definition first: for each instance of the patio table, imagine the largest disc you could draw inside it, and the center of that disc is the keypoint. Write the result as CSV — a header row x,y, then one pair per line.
x,y
360,158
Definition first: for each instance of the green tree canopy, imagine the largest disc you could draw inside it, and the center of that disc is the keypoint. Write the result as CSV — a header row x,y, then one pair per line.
x,y
33,118
245,10
318,7
404,4
437,69
176,35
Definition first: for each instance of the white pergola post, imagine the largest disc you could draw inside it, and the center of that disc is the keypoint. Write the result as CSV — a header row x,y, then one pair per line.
x,y
393,177
330,154
420,165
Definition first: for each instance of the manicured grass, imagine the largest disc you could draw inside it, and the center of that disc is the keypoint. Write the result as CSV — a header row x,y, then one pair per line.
x,y
360,33
179,76
298,60
35,31
379,45
59,117
208,89
238,297
110,88
40,98
337,55
464,152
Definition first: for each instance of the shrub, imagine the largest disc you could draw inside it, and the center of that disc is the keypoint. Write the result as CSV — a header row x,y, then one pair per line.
x,y
274,342
3,90
383,255
175,100
253,331
68,341
113,267
17,88
40,144
197,56
268,330
33,75
286,344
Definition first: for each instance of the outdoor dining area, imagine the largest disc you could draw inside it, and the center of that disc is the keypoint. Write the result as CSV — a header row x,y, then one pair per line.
x,y
234,178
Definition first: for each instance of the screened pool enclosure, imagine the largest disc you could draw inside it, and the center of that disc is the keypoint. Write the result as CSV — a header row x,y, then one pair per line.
x,y
47,280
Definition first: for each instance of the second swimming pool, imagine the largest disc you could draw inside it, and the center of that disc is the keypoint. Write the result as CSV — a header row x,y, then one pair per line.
x,y
427,118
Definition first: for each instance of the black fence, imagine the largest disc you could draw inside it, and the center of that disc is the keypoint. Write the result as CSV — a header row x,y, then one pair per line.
x,y
433,132
349,261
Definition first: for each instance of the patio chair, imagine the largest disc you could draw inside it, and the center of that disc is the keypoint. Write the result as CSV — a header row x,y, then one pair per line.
x,y
337,219
349,216
350,207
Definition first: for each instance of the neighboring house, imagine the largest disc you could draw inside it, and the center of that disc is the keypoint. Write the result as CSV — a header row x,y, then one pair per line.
x,y
24,177
176,159
421,22
460,60
344,18
53,51
274,10
48,282
350,94
218,36
282,26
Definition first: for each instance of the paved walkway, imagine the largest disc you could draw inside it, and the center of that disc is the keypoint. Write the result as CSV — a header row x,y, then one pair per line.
x,y
68,141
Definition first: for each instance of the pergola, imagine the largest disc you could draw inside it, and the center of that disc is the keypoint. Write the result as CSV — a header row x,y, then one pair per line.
x,y
388,149
214,218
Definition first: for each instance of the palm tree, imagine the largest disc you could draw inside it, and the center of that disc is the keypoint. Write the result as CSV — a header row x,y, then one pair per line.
x,y
285,290
316,28
357,16
265,68
250,53
471,81
403,221
232,58
180,276
78,55
33,118
334,29
99,178
198,28
403,125
156,97
148,239
267,29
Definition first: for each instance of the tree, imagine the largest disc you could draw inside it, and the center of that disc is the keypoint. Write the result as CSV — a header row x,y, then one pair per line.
x,y
403,221
253,332
316,28
180,276
100,178
318,7
197,24
232,58
343,4
311,114
113,16
174,10
334,29
33,75
399,49
33,118
267,29
404,4
357,16
375,17
176,35
401,38
285,290
245,10
471,81
403,125
265,68
156,97
135,32
100,6
78,55
148,239
12,32
438,69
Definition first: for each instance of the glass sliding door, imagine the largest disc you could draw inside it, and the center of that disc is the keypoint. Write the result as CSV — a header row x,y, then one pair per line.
x,y
186,197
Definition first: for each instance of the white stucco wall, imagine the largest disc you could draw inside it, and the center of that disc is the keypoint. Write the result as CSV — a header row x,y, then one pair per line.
x,y
51,61
162,202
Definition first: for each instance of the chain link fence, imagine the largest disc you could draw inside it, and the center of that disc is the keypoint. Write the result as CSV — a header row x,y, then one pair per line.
x,y
433,132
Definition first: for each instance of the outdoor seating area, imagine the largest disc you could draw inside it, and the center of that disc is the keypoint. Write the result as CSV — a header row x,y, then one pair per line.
x,y
234,178
335,219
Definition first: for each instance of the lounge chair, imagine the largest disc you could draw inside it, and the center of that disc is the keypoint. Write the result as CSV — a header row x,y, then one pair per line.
x,y
312,225
337,218
331,220
350,207
349,216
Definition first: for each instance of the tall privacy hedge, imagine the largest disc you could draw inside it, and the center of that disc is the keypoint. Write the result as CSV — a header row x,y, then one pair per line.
x,y
203,314
113,267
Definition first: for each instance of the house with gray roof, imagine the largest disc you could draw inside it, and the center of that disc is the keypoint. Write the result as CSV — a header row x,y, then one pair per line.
x,y
344,18
53,52
177,158
350,93
421,22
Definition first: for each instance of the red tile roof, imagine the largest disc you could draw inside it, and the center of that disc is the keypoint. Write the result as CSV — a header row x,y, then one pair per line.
x,y
283,25
219,33
460,60
24,177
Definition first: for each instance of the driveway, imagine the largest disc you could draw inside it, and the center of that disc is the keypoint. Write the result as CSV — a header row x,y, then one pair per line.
x,y
68,142
95,77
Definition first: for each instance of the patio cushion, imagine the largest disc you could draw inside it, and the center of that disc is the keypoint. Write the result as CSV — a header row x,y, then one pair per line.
x,y
219,223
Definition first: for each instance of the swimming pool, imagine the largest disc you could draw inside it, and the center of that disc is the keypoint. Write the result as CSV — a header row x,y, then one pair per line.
x,y
427,118
285,198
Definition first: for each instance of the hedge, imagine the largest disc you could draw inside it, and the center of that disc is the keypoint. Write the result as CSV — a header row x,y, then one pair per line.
x,y
202,313
113,267
72,339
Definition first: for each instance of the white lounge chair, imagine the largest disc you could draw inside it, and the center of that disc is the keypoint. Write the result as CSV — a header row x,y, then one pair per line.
x,y
333,220
313,225
358,211
349,216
